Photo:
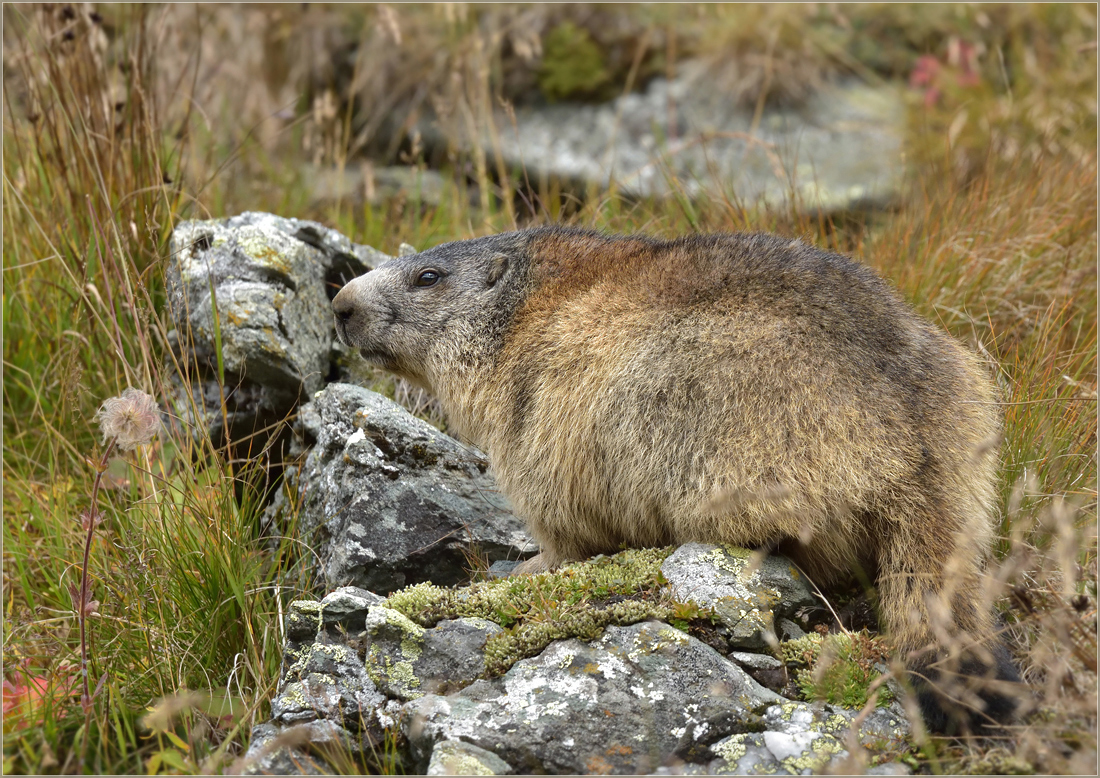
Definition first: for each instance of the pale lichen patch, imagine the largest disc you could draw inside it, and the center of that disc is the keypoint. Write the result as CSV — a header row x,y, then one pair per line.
x,y
732,749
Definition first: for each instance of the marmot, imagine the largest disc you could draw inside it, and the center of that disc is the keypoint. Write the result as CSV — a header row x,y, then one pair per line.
x,y
745,389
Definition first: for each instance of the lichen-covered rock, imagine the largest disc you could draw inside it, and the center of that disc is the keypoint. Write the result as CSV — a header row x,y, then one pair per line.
x,y
347,607
577,600
267,276
388,500
275,750
626,703
303,621
453,757
395,645
802,739
407,661
561,689
747,601
776,753
338,618
259,285
328,682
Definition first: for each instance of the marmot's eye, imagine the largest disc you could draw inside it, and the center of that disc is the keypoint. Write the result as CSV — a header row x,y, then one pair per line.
x,y
427,278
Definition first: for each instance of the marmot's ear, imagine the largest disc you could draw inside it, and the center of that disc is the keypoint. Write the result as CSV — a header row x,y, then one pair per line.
x,y
497,265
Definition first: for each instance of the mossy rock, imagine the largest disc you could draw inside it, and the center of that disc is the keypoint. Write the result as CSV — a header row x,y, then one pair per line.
x,y
575,601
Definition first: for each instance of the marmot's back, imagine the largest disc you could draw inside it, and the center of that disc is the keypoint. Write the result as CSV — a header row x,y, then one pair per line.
x,y
738,388
668,378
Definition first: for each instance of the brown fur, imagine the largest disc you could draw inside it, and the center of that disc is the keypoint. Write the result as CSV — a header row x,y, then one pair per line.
x,y
745,389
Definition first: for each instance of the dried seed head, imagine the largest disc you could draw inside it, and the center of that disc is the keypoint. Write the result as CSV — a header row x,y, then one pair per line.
x,y
132,419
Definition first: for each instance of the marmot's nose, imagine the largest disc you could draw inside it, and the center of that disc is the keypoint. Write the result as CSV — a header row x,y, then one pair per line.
x,y
342,306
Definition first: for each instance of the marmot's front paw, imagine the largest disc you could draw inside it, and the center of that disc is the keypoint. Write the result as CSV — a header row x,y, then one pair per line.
x,y
540,563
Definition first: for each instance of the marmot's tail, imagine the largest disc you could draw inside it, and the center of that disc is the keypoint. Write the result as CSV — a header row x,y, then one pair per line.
x,y
935,602
972,693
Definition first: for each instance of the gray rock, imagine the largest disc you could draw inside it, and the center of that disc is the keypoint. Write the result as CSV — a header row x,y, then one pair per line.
x,y
339,617
788,630
387,500
271,280
633,700
272,750
503,568
755,661
268,275
803,739
453,654
747,600
328,682
368,183
887,727
776,753
301,749
347,608
303,620
453,757
765,670
396,643
841,149
890,768
408,661
645,698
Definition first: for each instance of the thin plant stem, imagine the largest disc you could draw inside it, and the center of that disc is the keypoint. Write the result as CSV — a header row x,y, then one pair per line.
x,y
85,594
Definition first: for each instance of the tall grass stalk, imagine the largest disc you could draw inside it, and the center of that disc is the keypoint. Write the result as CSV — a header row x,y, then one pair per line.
x,y
83,603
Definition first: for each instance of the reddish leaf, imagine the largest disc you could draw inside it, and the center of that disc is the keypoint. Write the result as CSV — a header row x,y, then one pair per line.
x,y
26,695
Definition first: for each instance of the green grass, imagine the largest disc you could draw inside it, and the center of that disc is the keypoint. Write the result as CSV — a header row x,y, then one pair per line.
x,y
996,240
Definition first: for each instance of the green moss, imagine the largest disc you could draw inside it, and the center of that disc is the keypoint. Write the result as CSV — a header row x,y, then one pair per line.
x,y
572,64
576,601
837,668
803,651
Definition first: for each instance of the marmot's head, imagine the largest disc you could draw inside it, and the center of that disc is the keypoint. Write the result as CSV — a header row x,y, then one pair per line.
x,y
419,314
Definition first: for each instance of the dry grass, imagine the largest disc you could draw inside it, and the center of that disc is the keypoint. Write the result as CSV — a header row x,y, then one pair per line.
x,y
121,121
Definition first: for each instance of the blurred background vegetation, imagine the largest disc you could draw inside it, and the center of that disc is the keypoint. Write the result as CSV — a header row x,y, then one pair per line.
x,y
121,120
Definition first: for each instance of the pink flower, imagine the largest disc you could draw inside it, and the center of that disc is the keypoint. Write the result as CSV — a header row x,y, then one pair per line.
x,y
131,420
925,70
964,56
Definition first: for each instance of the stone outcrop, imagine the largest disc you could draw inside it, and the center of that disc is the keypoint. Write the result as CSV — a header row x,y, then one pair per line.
x,y
387,500
249,299
625,703
637,698
747,594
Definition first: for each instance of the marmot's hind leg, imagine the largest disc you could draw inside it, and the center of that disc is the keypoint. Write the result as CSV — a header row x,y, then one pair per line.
x,y
974,691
